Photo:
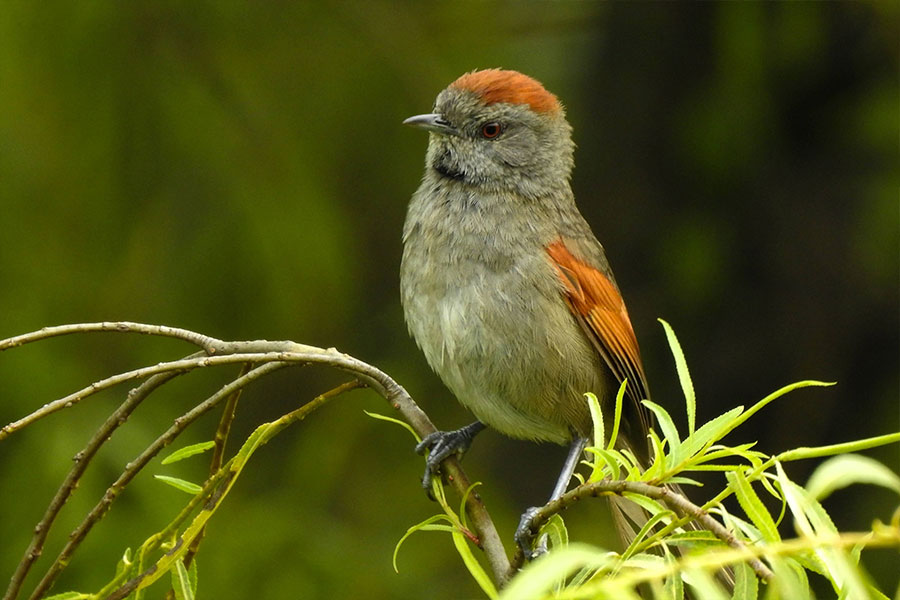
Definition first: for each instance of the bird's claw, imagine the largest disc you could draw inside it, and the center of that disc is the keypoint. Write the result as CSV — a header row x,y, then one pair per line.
x,y
525,535
442,444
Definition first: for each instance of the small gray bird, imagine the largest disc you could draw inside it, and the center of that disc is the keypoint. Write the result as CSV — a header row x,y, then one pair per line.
x,y
504,286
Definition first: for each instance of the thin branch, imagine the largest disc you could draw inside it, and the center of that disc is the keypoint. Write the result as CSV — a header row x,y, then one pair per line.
x,y
680,504
198,339
183,365
70,483
212,492
215,463
132,469
262,351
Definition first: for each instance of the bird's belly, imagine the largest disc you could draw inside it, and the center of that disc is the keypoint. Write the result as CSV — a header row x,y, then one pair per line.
x,y
510,353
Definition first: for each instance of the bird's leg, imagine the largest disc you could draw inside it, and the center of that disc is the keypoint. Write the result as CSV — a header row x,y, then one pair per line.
x,y
442,444
525,533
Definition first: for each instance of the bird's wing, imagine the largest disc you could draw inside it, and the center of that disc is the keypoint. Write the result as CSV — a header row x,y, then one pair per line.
x,y
597,305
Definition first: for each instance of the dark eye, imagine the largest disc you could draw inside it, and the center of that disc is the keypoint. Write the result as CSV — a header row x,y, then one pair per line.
x,y
491,130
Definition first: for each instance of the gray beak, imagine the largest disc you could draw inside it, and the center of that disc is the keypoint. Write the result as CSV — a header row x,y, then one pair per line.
x,y
431,122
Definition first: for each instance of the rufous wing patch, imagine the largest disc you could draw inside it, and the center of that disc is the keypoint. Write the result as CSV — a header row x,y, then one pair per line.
x,y
597,305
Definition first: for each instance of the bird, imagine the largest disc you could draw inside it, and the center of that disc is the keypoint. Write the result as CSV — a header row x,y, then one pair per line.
x,y
504,286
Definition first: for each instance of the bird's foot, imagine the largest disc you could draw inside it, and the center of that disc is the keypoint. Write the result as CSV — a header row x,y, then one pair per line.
x,y
442,444
525,534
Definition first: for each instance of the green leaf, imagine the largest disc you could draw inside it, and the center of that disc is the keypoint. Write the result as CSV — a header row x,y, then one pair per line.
x,y
125,563
674,585
711,432
403,424
462,503
684,376
746,585
790,579
555,528
659,457
540,577
472,564
187,451
704,585
649,504
596,419
662,516
669,432
812,521
753,506
417,527
684,481
843,448
848,469
181,582
617,416
188,487
603,457
69,596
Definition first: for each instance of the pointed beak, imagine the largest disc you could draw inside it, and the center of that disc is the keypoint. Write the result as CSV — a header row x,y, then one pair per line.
x,y
432,122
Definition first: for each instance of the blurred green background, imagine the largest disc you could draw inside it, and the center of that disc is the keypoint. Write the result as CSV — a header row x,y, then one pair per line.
x,y
240,169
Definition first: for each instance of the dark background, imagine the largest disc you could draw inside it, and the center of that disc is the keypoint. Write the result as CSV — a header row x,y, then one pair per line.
x,y
241,170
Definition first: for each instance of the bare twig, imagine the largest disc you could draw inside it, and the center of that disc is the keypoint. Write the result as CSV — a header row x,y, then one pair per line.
x,y
198,339
680,504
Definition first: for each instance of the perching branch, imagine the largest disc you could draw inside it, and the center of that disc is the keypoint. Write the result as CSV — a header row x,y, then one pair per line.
x,y
680,504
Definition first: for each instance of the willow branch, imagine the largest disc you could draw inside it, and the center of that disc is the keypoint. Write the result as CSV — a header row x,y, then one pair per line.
x,y
198,339
255,352
215,489
219,440
82,459
133,467
679,503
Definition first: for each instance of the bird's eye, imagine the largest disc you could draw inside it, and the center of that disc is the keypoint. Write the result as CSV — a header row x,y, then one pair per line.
x,y
491,130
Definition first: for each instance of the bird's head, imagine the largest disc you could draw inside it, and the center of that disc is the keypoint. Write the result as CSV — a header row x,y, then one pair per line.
x,y
500,131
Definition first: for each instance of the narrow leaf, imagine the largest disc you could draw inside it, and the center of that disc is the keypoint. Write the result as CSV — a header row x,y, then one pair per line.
x,y
753,506
617,416
843,448
187,451
181,584
669,431
596,419
684,376
403,424
711,432
188,487
418,527
842,471
556,530
474,567
746,585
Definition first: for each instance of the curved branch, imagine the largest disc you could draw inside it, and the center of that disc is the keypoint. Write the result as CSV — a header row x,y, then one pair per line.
x,y
680,504
198,339
275,354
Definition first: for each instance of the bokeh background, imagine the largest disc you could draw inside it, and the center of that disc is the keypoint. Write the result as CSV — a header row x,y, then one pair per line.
x,y
240,169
